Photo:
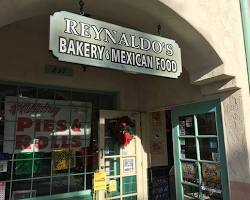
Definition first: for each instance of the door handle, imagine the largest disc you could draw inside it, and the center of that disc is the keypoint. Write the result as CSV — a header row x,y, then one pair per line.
x,y
101,153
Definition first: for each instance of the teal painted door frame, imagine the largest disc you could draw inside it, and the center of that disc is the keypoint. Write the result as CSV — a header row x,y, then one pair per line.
x,y
194,109
245,14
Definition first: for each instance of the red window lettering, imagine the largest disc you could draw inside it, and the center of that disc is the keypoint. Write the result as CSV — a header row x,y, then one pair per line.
x,y
23,122
76,125
48,125
61,125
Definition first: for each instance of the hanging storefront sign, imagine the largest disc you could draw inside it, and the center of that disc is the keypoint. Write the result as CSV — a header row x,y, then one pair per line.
x,y
41,125
78,39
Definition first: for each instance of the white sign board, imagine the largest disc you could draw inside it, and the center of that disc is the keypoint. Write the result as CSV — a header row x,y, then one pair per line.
x,y
42,125
78,39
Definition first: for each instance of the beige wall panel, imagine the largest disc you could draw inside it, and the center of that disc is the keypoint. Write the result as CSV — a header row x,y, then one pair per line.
x,y
235,138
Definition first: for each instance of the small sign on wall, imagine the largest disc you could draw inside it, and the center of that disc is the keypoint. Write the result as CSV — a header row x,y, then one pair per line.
x,y
156,144
58,70
156,147
158,139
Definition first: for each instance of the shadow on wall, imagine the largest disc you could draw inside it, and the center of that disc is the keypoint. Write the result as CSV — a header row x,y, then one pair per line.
x,y
198,56
236,146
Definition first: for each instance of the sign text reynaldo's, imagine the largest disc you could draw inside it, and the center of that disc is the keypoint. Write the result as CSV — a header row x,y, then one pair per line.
x,y
78,39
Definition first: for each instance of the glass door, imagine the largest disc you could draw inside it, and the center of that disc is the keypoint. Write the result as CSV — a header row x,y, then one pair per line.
x,y
119,144
200,162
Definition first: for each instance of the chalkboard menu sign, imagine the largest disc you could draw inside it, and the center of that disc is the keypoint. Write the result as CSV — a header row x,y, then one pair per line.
x,y
160,188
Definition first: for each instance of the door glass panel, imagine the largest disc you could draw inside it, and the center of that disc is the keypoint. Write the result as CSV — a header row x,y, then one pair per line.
x,y
108,128
111,148
211,181
186,125
190,172
211,196
116,191
206,124
190,192
209,149
112,166
188,148
129,184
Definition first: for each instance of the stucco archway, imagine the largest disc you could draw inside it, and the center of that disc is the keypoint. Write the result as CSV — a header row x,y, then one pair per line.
x,y
199,57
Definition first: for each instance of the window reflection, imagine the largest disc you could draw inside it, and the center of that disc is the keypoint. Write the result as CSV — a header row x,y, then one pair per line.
x,y
112,166
37,122
188,148
206,124
59,185
209,149
190,192
111,148
186,125
211,181
190,172
41,187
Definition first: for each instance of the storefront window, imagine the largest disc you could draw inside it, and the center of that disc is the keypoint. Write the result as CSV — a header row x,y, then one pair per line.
x,y
48,140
